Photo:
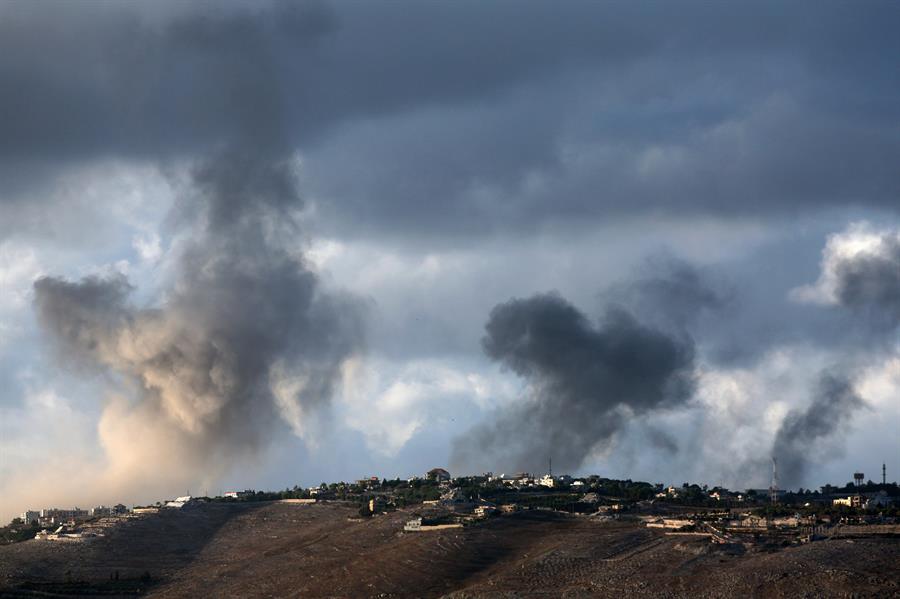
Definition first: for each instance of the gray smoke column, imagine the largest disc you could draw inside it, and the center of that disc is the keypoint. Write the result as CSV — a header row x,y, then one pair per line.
x,y
244,335
805,434
584,382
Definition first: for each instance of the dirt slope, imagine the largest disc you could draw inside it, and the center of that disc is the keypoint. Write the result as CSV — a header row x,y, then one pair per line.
x,y
284,550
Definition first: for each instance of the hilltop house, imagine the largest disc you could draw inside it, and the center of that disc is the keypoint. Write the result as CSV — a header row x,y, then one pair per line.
x,y
438,474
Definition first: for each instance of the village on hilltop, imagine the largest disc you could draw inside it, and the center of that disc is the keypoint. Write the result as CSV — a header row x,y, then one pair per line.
x,y
440,501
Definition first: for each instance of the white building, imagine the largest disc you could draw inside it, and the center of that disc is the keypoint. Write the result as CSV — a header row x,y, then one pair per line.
x,y
850,501
179,502
413,525
235,494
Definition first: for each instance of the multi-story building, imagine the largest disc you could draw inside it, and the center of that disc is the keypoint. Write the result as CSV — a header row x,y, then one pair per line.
x,y
30,516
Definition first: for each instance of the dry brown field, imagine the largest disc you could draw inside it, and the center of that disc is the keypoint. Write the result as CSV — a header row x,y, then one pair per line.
x,y
285,550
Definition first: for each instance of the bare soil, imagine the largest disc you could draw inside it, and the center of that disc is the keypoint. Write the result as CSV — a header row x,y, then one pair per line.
x,y
285,550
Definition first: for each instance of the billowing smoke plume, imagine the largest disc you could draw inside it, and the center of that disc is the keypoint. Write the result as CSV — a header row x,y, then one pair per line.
x,y
671,295
584,382
805,435
244,335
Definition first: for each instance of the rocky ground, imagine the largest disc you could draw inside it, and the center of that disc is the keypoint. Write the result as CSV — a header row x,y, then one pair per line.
x,y
284,550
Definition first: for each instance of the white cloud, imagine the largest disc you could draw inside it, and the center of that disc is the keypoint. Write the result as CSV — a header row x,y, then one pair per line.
x,y
147,245
19,267
859,239
390,403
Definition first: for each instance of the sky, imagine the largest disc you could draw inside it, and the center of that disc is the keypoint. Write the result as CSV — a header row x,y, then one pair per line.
x,y
259,245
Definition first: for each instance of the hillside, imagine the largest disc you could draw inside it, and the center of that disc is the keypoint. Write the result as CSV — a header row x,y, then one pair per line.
x,y
286,550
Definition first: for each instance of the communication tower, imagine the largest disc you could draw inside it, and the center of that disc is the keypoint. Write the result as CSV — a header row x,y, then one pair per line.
x,y
773,490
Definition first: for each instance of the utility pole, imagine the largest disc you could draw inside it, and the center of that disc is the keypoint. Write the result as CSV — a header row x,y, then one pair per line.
x,y
883,474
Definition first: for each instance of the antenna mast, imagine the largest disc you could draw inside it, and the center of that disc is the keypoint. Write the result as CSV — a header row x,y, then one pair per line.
x,y
773,490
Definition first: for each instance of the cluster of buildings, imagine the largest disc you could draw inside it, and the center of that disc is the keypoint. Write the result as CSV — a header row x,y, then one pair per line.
x,y
79,525
525,480
56,517
477,497
867,501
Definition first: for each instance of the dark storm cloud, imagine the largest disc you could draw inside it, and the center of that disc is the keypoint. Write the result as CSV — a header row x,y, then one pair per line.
x,y
525,112
805,434
118,79
712,111
584,381
107,80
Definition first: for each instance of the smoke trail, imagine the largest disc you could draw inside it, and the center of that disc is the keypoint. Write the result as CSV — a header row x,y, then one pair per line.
x,y
803,433
584,382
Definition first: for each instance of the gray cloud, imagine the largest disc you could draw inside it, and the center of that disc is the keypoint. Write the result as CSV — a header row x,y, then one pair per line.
x,y
869,283
116,81
471,121
584,382
806,434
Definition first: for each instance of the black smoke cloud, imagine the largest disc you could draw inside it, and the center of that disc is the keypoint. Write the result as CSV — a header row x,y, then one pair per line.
x,y
584,382
805,435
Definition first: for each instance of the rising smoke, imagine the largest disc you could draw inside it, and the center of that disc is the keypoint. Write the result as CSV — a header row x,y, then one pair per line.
x,y
671,295
244,335
805,435
584,382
